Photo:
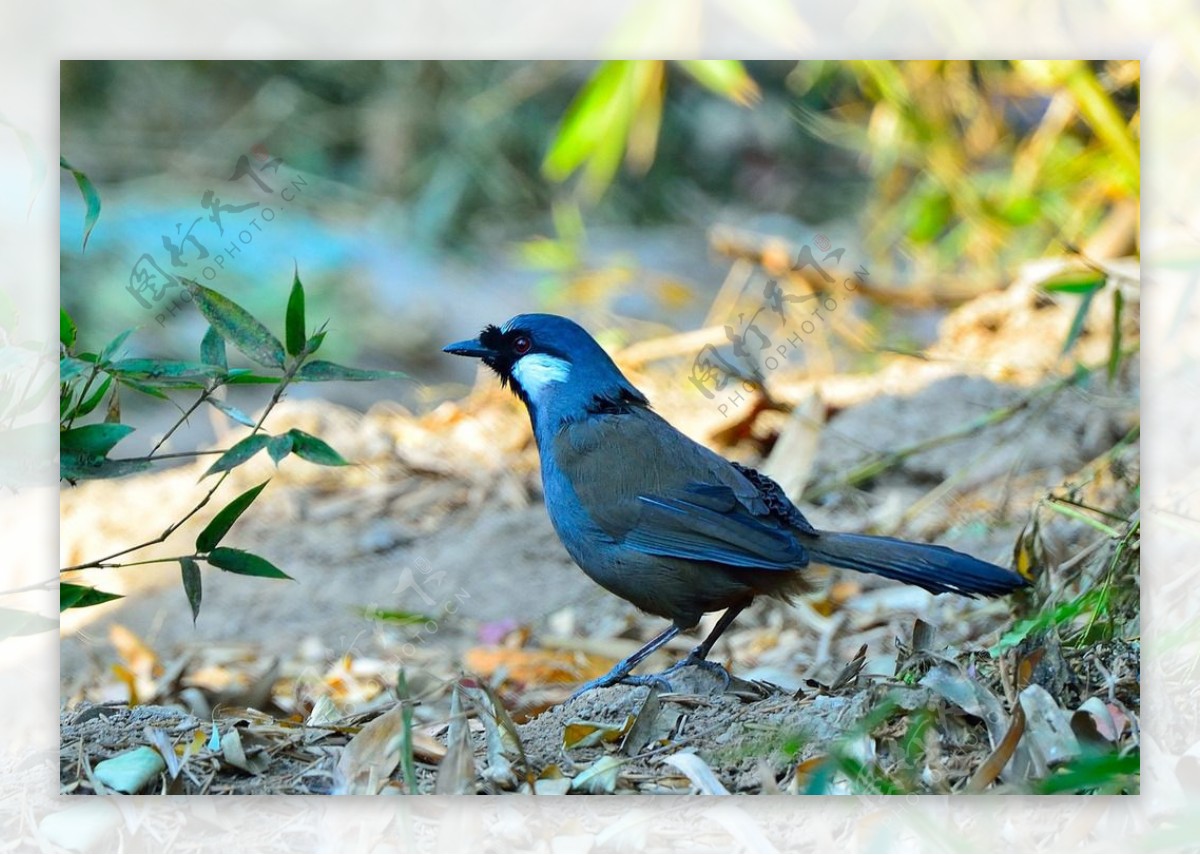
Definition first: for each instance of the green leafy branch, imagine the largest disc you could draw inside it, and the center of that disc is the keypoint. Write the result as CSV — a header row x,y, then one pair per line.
x,y
88,378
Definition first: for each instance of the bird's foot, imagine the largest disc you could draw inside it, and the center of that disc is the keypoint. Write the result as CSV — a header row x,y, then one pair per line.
x,y
657,680
695,659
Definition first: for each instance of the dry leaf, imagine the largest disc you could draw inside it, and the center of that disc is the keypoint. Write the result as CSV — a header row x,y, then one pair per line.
x,y
456,772
699,773
599,778
369,759
589,734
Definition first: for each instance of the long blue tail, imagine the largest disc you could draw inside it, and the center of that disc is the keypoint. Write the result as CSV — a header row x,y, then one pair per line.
x,y
935,568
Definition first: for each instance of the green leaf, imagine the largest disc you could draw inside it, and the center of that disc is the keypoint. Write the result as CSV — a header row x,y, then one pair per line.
x,y
1075,281
1099,773
212,349
1076,330
87,467
66,329
244,563
144,389
294,324
622,101
233,412
1114,347
319,371
245,377
191,584
18,622
90,197
80,596
69,368
280,447
94,401
315,450
113,346
237,326
314,343
95,440
224,520
165,370
726,77
239,454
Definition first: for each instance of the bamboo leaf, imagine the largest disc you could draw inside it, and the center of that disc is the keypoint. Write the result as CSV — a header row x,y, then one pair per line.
x,y
244,563
237,326
88,467
80,596
91,199
212,349
213,533
93,440
280,447
191,584
91,403
67,330
113,346
319,371
164,370
233,412
294,323
726,77
239,454
315,450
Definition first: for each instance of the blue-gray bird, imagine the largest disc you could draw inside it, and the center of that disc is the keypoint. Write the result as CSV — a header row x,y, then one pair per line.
x,y
665,523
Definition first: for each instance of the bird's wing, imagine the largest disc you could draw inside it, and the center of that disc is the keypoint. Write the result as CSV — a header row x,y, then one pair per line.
x,y
658,492
689,526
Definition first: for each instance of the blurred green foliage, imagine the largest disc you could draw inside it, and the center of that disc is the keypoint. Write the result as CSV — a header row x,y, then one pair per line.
x,y
978,166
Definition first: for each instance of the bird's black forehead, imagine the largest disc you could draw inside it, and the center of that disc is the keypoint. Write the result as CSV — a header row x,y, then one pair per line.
x,y
491,337
496,339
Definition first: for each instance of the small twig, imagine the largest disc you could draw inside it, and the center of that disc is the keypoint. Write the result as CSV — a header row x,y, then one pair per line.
x,y
881,463
288,376
183,418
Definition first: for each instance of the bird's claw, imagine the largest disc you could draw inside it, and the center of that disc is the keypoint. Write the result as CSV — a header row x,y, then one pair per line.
x,y
658,680
714,668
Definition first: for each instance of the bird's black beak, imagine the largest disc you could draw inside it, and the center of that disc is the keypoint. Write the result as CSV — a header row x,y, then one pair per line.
x,y
470,347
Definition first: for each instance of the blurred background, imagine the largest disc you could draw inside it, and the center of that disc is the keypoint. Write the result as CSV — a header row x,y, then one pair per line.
x,y
430,198
969,231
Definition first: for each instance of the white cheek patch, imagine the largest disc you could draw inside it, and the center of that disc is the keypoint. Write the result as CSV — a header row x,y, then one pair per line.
x,y
538,370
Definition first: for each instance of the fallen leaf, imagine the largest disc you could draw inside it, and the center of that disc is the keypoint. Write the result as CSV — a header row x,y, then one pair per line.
x,y
598,778
456,772
1047,728
589,734
698,772
371,756
236,755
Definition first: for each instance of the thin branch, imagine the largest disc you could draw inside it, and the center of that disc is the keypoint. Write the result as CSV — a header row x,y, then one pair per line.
x,y
183,418
287,378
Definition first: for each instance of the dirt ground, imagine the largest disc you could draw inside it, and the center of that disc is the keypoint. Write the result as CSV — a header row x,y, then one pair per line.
x,y
432,557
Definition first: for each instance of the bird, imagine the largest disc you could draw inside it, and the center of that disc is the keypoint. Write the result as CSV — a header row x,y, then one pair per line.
x,y
666,523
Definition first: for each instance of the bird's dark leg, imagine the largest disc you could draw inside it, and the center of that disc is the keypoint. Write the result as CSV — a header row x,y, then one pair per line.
x,y
699,655
620,672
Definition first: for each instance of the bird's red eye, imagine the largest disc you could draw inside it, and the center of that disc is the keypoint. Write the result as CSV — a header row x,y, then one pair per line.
x,y
521,345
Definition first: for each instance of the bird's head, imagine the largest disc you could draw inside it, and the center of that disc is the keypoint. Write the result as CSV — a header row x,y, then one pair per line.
x,y
554,366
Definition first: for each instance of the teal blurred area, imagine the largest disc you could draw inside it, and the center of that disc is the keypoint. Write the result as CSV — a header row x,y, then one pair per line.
x,y
410,197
